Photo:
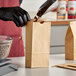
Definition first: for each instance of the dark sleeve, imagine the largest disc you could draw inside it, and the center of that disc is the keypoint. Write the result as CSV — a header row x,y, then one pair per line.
x,y
20,1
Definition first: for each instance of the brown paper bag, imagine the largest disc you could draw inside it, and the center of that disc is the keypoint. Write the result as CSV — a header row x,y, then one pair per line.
x,y
70,42
37,44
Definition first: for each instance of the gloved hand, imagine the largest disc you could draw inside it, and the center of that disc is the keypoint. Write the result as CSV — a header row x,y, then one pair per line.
x,y
16,14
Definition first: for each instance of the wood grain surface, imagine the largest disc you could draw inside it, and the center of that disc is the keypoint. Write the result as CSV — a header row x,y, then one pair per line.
x,y
70,66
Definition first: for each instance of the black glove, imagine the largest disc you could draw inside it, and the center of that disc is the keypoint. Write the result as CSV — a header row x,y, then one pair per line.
x,y
16,14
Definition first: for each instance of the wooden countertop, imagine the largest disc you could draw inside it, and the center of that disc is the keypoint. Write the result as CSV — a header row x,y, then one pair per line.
x,y
61,22
57,22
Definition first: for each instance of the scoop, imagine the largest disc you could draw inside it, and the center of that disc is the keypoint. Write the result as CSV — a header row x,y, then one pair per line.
x,y
47,6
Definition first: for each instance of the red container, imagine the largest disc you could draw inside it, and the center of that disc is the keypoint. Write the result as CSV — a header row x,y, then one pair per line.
x,y
71,9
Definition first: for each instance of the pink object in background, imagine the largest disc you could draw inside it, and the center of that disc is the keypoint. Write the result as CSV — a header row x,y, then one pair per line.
x,y
8,28
9,3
